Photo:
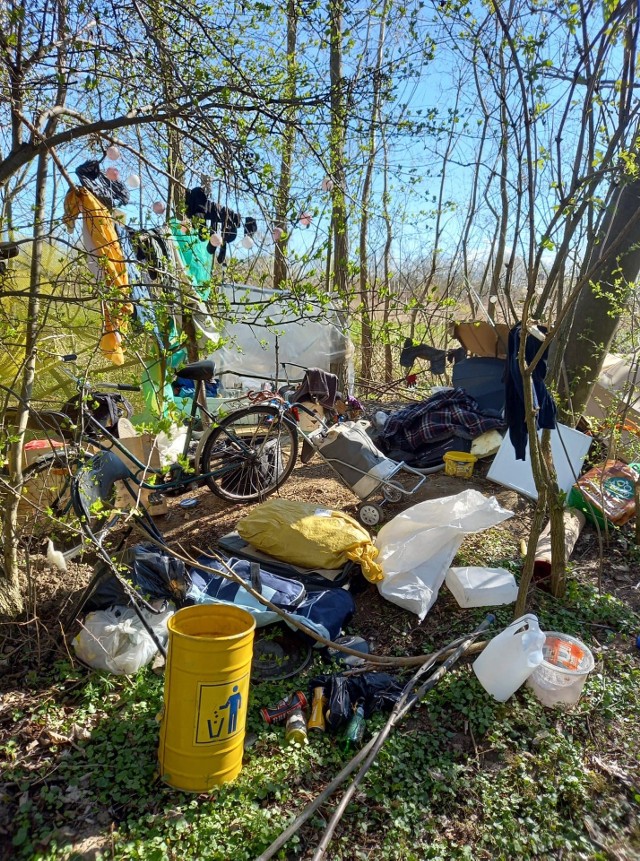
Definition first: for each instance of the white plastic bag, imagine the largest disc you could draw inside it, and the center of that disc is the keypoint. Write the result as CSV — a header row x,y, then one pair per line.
x,y
417,547
116,640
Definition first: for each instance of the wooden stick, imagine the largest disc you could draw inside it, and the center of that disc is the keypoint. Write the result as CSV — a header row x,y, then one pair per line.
x,y
399,711
404,704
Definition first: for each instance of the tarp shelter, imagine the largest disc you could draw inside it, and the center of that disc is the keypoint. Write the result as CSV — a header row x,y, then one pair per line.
x,y
618,384
305,333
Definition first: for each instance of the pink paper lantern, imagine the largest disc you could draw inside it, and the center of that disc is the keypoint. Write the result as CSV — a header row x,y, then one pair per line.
x,y
158,207
133,180
305,219
247,242
112,173
327,184
113,153
215,240
277,234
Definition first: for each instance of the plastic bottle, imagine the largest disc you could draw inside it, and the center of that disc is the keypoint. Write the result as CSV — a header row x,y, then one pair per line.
x,y
296,729
317,721
510,657
354,732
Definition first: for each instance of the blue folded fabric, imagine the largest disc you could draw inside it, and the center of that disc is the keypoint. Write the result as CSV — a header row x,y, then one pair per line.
x,y
324,611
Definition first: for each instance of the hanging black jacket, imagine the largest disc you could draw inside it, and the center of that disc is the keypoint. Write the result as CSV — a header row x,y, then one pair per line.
x,y
514,393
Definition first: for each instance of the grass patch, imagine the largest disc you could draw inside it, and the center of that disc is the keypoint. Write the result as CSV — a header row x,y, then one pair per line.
x,y
464,777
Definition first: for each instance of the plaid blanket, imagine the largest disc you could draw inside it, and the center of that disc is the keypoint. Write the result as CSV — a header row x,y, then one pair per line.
x,y
452,413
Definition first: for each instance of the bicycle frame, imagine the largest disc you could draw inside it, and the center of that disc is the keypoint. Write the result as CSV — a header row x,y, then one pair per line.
x,y
184,478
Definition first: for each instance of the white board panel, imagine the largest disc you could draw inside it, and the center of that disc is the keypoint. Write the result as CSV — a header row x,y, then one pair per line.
x,y
569,448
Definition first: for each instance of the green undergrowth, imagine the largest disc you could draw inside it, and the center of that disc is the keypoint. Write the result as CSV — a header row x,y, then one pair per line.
x,y
464,777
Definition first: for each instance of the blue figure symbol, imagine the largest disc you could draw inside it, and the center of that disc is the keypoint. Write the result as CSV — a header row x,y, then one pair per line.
x,y
233,704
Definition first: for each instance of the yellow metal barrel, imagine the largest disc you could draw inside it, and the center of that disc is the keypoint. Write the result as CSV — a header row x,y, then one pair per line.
x,y
206,693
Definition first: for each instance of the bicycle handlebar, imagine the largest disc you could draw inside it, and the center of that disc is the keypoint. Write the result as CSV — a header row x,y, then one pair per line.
x,y
84,383
116,387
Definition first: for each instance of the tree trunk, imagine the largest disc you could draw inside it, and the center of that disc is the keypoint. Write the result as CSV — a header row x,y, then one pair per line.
x,y
584,339
283,194
340,256
11,601
337,149
367,291
386,266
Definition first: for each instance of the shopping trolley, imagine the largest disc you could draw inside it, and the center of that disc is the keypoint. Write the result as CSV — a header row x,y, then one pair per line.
x,y
359,464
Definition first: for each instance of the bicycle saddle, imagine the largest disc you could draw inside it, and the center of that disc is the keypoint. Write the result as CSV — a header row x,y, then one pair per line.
x,y
202,371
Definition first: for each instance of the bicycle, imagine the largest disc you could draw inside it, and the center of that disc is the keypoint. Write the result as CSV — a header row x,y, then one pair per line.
x,y
340,442
243,457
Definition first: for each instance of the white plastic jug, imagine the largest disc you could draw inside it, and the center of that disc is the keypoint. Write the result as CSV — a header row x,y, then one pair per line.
x,y
510,657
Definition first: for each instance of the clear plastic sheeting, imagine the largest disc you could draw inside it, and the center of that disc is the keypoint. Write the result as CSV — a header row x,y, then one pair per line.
x,y
417,547
306,334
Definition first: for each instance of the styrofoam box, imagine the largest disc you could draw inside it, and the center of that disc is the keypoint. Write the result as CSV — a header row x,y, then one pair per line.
x,y
481,587
222,406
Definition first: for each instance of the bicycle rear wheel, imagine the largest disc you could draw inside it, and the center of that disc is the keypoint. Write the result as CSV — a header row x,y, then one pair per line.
x,y
250,454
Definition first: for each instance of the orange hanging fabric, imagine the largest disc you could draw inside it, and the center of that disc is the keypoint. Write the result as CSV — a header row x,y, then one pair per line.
x,y
106,261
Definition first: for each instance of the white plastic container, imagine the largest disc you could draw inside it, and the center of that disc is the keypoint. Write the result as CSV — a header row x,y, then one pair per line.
x,y
229,403
482,587
560,678
509,659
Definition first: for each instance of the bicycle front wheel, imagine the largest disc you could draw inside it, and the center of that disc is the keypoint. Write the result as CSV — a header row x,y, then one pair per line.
x,y
45,507
250,454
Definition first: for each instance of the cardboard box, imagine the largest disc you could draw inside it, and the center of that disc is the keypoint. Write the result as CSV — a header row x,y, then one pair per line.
x,y
142,447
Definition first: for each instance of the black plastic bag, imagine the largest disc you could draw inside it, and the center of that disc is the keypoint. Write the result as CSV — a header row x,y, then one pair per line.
x,y
374,691
151,572
105,407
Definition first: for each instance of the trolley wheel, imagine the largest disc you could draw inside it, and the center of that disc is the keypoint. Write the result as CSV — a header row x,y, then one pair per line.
x,y
392,491
250,454
370,514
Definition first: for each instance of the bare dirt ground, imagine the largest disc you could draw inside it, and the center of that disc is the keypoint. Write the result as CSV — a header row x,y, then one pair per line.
x,y
50,594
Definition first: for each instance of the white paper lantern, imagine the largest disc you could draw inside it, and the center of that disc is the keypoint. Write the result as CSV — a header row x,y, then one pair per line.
x,y
158,207
247,242
113,153
327,184
133,180
277,234
493,299
215,240
305,219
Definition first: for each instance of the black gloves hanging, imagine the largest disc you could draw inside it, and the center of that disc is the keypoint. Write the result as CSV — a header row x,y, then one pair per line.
x,y
110,192
200,206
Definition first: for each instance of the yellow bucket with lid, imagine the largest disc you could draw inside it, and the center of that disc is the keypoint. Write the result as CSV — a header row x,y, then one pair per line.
x,y
206,693
459,463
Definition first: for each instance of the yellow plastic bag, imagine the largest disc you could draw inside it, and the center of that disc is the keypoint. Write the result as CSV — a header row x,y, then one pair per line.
x,y
304,534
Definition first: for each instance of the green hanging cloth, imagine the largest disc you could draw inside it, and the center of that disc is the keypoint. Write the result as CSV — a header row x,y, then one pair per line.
x,y
196,258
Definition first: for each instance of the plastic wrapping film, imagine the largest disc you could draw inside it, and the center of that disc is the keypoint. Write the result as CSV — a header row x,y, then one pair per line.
x,y
251,346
